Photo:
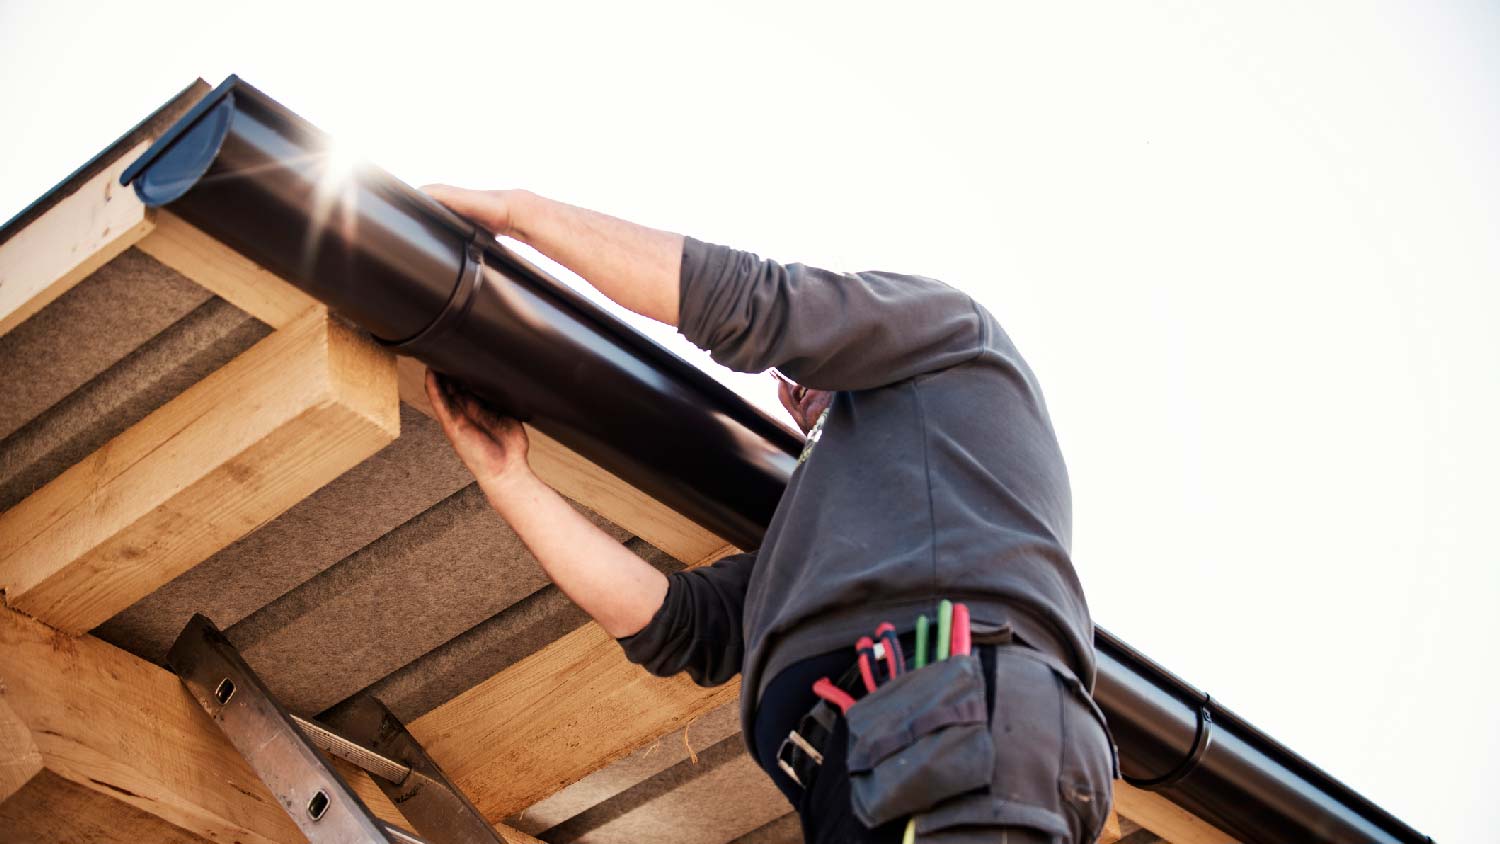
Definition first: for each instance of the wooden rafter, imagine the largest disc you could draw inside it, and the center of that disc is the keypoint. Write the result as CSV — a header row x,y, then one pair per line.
x,y
102,738
555,717
99,745
232,452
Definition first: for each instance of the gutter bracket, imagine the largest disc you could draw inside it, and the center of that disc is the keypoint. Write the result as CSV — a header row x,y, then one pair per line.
x,y
1201,741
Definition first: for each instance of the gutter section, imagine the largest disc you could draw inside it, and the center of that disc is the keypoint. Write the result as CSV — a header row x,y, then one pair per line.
x,y
432,285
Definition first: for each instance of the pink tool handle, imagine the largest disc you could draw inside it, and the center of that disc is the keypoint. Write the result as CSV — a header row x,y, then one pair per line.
x,y
826,690
963,638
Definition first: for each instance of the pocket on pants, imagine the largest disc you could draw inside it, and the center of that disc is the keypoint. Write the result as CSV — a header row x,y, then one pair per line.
x,y
919,740
1054,760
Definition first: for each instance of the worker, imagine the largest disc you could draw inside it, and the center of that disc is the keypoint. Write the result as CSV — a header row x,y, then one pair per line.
x,y
930,472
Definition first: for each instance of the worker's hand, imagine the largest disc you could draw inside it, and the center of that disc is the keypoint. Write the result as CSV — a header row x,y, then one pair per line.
x,y
492,209
492,446
803,403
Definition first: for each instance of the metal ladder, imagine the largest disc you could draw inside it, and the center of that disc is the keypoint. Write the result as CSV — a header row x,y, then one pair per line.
x,y
283,750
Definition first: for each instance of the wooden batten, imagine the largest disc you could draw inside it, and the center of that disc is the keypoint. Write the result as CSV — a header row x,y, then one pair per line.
x,y
96,742
224,272
1111,832
557,716
99,745
232,452
78,235
1165,818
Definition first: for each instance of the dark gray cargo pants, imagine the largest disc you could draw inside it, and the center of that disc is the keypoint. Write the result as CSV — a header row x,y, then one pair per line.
x,y
1050,760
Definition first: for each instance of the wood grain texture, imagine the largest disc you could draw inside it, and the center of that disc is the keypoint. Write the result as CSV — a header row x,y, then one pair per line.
x,y
221,459
369,792
717,805
640,766
1165,818
76,236
557,716
224,272
97,745
116,747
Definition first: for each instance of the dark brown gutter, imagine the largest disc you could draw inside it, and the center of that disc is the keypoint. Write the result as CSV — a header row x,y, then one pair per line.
x,y
252,174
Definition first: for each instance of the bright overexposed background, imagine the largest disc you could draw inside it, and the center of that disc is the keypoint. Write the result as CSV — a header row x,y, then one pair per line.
x,y
1252,251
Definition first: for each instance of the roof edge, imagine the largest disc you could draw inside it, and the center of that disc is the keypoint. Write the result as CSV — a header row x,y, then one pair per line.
x,y
163,118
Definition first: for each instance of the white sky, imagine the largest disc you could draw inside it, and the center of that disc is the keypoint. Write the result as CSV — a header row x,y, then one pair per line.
x,y
1250,249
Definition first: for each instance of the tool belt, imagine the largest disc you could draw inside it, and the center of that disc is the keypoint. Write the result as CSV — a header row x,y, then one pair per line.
x,y
801,752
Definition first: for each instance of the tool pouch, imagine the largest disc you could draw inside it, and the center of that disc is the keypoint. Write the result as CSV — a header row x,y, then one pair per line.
x,y
918,740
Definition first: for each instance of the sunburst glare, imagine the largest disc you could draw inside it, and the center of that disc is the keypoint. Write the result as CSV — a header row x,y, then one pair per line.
x,y
335,178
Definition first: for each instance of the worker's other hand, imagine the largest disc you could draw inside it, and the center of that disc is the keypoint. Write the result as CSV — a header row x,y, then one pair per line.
x,y
803,403
492,446
492,209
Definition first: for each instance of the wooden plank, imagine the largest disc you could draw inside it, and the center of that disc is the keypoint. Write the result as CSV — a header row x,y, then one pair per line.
x,y
1165,818
229,454
368,792
97,745
717,805
274,301
116,746
78,235
555,717
224,272
1111,832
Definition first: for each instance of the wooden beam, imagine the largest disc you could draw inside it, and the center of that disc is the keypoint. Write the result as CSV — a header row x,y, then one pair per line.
x,y
1111,832
224,272
78,235
557,716
275,302
1165,818
232,452
102,744
98,745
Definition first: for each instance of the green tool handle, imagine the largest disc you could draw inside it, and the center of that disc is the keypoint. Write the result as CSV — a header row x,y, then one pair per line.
x,y
921,658
945,628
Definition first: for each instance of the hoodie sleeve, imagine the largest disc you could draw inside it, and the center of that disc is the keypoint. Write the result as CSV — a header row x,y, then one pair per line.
x,y
826,330
699,627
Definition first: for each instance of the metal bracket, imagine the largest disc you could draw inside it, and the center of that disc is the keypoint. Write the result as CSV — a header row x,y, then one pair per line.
x,y
282,749
1202,739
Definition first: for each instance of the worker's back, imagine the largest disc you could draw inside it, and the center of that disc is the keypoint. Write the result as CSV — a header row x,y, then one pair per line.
x,y
933,474
944,484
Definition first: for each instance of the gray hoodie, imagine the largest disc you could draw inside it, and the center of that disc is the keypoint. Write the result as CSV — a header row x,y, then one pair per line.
x,y
935,474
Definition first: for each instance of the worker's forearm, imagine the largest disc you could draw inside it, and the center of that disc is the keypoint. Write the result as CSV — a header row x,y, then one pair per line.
x,y
620,590
634,265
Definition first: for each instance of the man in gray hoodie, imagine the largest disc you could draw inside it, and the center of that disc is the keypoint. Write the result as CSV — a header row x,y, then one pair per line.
x,y
931,471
